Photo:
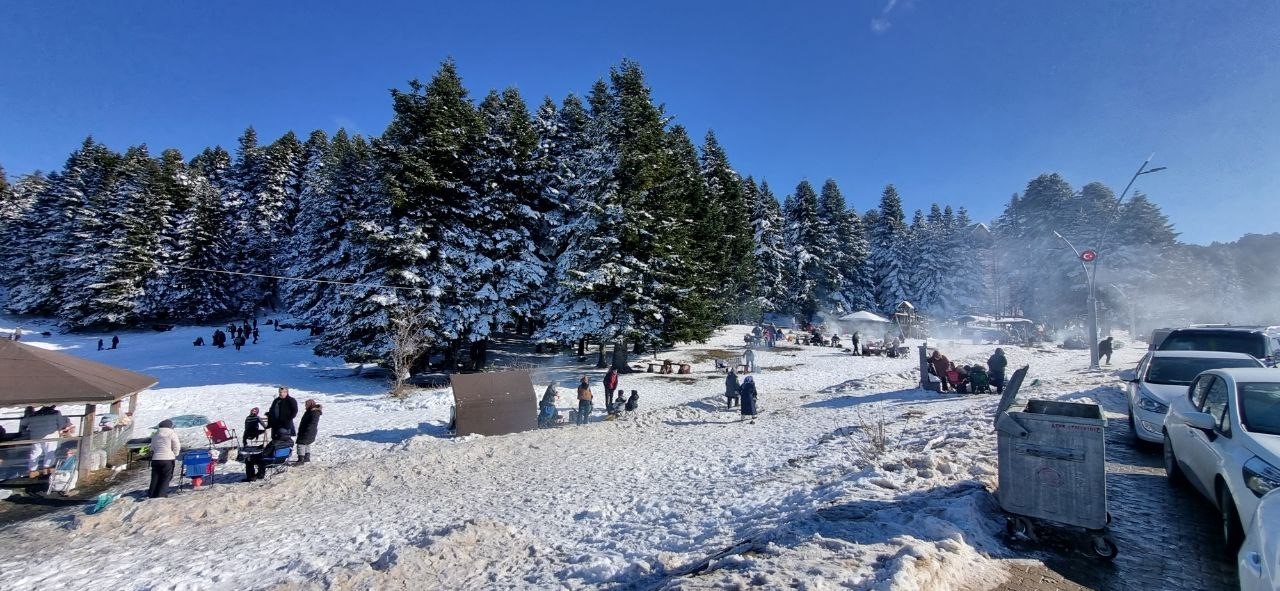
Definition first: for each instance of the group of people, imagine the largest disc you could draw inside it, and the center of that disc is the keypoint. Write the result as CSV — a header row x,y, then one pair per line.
x,y
767,334
742,395
115,343
278,424
240,335
969,378
549,414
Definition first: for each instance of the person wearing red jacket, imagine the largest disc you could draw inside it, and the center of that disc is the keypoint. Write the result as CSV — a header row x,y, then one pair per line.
x,y
610,384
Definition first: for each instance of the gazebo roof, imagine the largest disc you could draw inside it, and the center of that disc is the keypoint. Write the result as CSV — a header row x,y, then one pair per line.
x,y
34,376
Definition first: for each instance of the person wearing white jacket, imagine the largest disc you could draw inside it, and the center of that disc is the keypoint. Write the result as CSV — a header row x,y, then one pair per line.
x,y
164,451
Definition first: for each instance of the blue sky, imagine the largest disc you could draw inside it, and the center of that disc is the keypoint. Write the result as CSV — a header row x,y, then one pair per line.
x,y
956,102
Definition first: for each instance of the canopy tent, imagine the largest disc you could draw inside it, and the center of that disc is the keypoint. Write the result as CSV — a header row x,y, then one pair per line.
x,y
34,376
864,316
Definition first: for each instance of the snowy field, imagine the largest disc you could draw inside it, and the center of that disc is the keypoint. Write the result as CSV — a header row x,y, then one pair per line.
x,y
684,496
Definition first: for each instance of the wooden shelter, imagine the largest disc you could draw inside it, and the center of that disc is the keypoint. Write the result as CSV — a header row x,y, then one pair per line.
x,y
31,376
494,403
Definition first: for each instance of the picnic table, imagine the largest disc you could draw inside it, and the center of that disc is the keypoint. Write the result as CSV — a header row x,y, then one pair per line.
x,y
668,366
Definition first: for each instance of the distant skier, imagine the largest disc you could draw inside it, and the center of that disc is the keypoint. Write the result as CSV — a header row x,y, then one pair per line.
x,y
748,393
731,388
1104,349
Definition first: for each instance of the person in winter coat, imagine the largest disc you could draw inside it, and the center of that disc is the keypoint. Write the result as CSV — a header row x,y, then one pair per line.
x,y
238,342
307,428
748,393
731,388
995,368
584,401
100,346
1104,349
856,343
115,341
253,426
610,384
255,335
281,414
547,411
254,467
749,359
940,365
46,423
164,451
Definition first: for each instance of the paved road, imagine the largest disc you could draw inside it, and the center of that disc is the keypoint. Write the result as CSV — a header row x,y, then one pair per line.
x,y
1168,538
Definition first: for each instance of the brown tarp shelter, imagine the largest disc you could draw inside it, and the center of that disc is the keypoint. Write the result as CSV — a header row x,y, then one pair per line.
x,y
494,403
34,376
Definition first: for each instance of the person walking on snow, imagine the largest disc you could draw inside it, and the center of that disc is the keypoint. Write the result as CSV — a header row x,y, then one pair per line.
x,y
164,451
584,401
1104,349
99,344
610,384
307,428
115,341
280,417
748,393
731,388
995,369
749,359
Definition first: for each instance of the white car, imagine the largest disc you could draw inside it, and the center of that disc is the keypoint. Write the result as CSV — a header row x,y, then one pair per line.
x,y
1164,375
1259,560
1224,438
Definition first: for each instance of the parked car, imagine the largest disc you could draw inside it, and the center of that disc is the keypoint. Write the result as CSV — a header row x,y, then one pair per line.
x,y
1224,438
1259,559
1164,375
1261,342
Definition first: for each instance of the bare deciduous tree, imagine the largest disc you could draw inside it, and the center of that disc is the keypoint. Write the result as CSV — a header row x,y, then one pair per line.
x,y
409,340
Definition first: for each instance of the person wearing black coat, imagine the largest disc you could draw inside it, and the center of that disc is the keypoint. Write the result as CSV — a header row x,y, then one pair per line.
x,y
307,428
731,388
283,410
253,426
255,465
1104,349
995,369
748,393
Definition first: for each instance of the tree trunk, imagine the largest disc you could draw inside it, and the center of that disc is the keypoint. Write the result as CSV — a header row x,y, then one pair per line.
x,y
620,357
582,347
639,348
600,358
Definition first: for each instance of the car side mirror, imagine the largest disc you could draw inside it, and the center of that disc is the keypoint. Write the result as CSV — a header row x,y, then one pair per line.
x,y
1201,420
1129,375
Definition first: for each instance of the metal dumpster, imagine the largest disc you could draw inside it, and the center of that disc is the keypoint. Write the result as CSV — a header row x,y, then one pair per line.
x,y
1053,467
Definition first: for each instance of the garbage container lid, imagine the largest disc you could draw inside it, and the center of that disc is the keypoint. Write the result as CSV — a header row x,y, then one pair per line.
x,y
1011,390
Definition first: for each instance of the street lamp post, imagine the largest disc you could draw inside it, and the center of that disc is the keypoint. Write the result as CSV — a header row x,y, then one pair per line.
x,y
1092,271
1090,303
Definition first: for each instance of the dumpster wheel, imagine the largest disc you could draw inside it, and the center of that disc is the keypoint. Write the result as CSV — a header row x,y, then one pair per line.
x,y
1104,547
1020,527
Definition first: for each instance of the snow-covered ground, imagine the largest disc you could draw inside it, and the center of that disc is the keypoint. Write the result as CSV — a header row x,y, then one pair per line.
x,y
685,495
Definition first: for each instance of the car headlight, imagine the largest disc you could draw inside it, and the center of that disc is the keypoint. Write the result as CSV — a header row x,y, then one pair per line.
x,y
1151,405
1260,477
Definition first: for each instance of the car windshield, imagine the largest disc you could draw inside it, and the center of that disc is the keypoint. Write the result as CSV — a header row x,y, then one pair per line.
x,y
1260,407
1179,371
1249,344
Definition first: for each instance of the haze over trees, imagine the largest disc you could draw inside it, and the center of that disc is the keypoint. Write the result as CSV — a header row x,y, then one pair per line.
x,y
589,218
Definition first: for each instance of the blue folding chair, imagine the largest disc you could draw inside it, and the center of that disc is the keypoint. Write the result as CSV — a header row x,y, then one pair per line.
x,y
196,465
276,461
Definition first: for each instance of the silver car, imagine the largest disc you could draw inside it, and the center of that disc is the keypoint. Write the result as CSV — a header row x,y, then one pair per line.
x,y
1163,375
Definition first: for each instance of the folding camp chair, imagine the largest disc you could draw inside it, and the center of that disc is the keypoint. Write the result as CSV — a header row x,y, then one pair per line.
x,y
276,461
196,465
217,433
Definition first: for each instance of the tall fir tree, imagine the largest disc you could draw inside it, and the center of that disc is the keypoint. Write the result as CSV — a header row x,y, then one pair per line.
x,y
889,247
731,237
803,232
772,258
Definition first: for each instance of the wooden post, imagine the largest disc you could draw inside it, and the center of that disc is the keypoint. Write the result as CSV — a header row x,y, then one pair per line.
x,y
87,426
115,408
133,403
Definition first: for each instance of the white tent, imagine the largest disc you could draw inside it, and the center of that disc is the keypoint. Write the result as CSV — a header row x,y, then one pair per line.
x,y
864,316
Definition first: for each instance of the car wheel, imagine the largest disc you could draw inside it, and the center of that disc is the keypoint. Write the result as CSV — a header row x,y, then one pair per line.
x,y
1172,471
1232,530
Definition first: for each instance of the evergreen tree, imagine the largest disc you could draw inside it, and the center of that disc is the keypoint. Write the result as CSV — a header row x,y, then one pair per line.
x,y
889,247
804,241
772,258
730,234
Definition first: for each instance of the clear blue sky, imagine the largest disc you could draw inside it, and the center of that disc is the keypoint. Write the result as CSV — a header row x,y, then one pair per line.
x,y
958,102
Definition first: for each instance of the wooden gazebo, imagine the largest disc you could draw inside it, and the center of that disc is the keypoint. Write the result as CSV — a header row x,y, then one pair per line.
x,y
31,376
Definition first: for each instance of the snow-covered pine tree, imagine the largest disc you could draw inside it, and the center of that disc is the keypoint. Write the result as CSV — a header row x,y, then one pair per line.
x,y
693,226
53,246
507,230
932,265
888,246
803,228
842,275
318,226
772,266
732,244
171,184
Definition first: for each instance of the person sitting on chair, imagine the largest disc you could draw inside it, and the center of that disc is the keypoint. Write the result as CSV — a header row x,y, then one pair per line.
x,y
253,426
547,411
255,466
633,401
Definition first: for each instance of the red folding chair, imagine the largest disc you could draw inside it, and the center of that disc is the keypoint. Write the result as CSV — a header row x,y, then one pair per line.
x,y
217,432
